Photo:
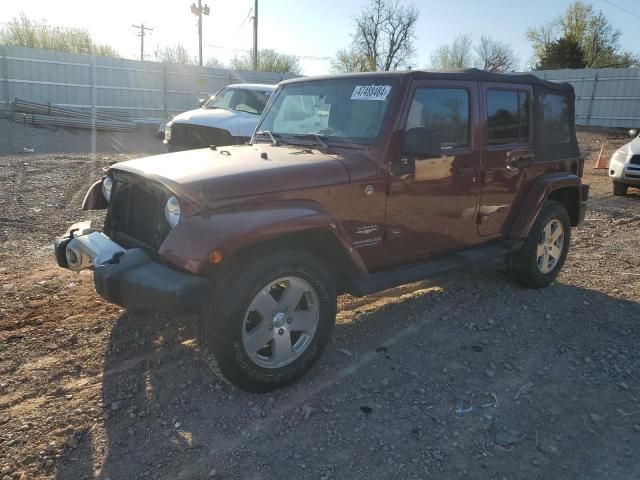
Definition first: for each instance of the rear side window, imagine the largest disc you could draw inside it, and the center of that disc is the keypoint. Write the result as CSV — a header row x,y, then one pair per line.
x,y
508,117
555,118
443,110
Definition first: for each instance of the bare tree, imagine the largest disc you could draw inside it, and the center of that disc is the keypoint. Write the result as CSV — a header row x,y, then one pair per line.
x,y
213,62
350,60
495,56
268,61
383,38
176,54
457,54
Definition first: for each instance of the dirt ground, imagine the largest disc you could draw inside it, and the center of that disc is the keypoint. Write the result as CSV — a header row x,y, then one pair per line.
x,y
466,377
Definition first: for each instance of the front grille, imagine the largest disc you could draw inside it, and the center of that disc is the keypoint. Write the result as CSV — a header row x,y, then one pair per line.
x,y
635,160
136,212
185,136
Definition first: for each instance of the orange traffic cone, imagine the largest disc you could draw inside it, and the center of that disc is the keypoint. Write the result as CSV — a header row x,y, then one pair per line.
x,y
603,160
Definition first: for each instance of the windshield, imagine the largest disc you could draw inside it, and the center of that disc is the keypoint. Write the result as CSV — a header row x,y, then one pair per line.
x,y
343,110
240,100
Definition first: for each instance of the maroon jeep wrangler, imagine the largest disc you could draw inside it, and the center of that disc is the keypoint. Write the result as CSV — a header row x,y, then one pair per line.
x,y
351,183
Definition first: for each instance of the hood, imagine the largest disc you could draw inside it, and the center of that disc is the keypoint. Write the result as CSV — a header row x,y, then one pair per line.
x,y
204,176
631,148
236,123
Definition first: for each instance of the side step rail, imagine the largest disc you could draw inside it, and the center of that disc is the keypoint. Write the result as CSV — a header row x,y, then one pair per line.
x,y
416,272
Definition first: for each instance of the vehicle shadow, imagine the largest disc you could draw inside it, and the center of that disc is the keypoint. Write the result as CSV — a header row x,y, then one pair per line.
x,y
167,416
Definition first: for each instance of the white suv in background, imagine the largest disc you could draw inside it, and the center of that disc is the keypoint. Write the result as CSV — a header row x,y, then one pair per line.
x,y
227,118
624,167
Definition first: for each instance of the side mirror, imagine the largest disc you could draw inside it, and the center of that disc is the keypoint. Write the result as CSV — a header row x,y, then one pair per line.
x,y
201,102
422,142
633,133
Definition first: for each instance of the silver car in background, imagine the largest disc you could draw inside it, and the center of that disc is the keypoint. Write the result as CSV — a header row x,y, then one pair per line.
x,y
624,167
228,117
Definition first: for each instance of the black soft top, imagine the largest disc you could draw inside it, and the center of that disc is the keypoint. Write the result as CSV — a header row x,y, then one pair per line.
x,y
472,74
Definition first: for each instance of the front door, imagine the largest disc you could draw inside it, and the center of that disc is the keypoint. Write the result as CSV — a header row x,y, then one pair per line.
x,y
432,204
507,155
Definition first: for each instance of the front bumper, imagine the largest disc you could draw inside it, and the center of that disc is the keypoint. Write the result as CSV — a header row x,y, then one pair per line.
x,y
132,279
626,173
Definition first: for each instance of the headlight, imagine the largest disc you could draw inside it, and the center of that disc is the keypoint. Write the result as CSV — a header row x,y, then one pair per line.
x,y
167,131
172,211
107,184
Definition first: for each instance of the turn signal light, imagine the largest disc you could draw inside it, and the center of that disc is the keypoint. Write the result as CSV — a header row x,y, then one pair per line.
x,y
215,257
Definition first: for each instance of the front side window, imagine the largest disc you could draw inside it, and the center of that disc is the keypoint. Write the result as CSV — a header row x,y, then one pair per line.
x,y
555,118
444,112
240,100
341,110
508,117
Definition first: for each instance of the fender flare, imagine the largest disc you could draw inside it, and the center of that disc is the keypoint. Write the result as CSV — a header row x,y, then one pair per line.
x,y
233,229
535,199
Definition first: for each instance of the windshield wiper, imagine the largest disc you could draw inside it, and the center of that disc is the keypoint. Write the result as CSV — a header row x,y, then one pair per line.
x,y
319,139
272,136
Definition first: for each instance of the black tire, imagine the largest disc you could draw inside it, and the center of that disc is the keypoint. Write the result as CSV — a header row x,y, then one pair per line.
x,y
221,324
620,189
523,264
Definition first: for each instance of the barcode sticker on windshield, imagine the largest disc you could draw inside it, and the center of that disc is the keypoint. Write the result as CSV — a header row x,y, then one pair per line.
x,y
371,92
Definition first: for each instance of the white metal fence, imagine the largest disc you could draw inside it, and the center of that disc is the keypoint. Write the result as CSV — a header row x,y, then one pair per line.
x,y
607,97
144,90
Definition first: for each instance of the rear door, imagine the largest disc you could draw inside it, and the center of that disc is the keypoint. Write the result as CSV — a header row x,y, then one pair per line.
x,y
508,153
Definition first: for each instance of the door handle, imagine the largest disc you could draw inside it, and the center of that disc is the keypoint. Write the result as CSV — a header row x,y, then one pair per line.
x,y
519,162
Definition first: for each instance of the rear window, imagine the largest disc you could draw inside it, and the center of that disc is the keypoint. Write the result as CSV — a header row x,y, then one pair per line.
x,y
508,117
555,124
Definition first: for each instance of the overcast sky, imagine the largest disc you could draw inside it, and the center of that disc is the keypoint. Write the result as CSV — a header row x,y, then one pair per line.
x,y
305,27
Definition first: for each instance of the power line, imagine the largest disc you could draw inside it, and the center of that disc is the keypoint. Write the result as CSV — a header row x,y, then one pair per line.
x,y
622,8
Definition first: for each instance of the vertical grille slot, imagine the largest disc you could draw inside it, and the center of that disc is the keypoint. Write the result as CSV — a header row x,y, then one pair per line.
x,y
136,212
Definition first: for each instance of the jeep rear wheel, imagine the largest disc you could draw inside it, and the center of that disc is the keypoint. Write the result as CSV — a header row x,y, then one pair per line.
x,y
545,250
269,320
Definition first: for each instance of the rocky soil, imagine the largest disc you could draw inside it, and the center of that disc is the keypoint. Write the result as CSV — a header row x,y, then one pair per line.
x,y
465,377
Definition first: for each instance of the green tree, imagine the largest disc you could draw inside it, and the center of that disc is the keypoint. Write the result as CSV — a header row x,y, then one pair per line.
x,y
591,29
24,32
563,53
268,61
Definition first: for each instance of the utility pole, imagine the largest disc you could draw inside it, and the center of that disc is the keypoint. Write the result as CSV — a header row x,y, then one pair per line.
x,y
255,35
198,11
141,35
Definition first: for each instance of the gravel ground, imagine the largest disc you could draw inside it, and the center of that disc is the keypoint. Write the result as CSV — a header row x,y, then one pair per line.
x,y
469,376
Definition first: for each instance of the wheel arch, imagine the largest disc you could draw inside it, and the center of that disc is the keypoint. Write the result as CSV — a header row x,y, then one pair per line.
x,y
560,187
320,242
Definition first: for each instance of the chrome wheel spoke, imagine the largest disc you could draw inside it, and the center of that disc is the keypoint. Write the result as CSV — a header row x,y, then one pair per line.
x,y
292,294
303,321
547,231
264,304
256,339
557,233
281,347
555,252
541,250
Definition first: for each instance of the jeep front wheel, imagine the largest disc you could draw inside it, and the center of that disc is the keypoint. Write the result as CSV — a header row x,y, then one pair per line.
x,y
269,321
545,250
